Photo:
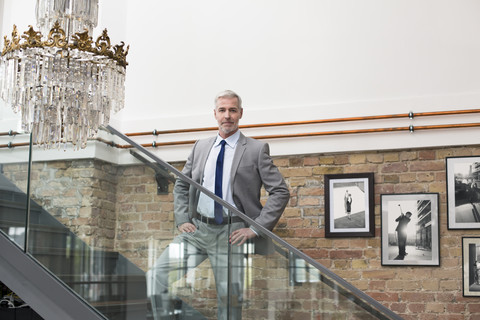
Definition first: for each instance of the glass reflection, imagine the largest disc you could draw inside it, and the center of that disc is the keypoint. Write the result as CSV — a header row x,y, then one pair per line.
x,y
13,200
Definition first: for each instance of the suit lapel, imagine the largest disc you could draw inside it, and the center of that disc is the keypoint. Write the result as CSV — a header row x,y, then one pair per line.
x,y
239,151
203,155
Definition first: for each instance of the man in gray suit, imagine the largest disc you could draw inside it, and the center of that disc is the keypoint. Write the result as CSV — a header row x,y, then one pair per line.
x,y
205,233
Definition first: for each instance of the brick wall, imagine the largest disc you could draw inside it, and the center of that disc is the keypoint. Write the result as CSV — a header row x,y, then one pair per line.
x,y
413,292
145,219
119,208
79,193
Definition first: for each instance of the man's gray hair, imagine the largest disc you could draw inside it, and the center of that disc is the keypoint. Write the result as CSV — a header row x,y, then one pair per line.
x,y
228,94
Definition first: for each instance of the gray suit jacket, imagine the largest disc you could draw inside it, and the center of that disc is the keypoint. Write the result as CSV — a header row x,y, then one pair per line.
x,y
252,167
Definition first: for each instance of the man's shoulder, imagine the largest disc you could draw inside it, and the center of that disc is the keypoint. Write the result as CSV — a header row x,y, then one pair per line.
x,y
202,145
248,141
252,141
205,141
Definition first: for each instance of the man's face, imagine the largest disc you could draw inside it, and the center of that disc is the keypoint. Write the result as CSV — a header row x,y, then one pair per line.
x,y
228,114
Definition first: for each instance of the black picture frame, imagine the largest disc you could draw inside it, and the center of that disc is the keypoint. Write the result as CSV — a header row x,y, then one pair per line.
x,y
463,192
410,229
352,216
471,266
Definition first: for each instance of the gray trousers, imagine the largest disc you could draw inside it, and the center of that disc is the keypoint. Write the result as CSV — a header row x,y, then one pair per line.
x,y
185,253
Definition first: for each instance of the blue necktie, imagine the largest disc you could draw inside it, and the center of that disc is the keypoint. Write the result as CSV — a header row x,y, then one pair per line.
x,y
218,183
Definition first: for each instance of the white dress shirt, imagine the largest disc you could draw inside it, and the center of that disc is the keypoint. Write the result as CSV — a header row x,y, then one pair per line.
x,y
205,203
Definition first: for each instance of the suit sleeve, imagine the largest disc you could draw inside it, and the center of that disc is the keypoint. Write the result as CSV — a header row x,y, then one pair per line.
x,y
181,192
274,184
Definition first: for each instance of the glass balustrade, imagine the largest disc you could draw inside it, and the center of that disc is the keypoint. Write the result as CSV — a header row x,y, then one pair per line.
x,y
13,190
105,225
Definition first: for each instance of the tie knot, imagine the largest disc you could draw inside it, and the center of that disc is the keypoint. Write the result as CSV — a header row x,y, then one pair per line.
x,y
223,142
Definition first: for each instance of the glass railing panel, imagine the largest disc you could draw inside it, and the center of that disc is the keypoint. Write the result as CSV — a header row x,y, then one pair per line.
x,y
106,226
281,284
188,272
269,279
101,226
73,234
13,188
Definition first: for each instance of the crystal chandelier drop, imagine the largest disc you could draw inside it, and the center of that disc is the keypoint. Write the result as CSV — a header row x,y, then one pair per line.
x,y
65,84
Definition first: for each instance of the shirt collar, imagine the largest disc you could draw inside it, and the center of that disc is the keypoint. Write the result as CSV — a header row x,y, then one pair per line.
x,y
231,141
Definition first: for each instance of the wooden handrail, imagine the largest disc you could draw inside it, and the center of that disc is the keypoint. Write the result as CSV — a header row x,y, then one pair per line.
x,y
313,134
283,136
9,133
307,122
360,131
11,145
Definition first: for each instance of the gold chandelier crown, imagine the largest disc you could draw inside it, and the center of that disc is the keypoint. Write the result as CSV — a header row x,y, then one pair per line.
x,y
57,38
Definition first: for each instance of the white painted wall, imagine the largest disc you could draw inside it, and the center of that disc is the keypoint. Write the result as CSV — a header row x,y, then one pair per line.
x,y
291,61
298,55
13,12
1,14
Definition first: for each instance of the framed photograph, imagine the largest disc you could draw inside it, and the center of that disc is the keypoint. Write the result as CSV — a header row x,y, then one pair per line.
x,y
410,229
463,192
471,266
349,205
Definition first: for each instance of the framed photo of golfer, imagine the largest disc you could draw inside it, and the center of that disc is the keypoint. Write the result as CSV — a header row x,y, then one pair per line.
x,y
471,266
410,229
463,192
349,205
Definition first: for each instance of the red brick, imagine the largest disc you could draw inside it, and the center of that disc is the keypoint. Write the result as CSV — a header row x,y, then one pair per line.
x,y
394,167
384,296
426,154
341,254
416,307
427,166
474,307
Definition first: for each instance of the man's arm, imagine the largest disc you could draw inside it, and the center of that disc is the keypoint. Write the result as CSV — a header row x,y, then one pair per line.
x,y
181,192
278,196
274,184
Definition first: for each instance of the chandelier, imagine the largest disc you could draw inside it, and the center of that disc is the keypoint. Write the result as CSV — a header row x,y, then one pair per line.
x,y
65,85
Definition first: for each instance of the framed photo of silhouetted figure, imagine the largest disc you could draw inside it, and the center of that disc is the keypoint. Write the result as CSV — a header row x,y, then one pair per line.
x,y
410,229
463,192
471,266
349,205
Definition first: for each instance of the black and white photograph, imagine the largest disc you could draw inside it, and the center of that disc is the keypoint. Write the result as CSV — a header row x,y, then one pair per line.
x,y
349,205
463,193
471,266
410,229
